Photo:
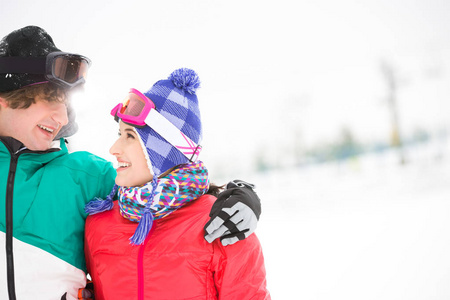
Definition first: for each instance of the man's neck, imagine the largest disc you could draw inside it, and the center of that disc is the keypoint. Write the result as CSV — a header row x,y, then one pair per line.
x,y
16,146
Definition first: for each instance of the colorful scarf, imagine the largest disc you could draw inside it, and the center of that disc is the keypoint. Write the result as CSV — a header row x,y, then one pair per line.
x,y
156,199
174,190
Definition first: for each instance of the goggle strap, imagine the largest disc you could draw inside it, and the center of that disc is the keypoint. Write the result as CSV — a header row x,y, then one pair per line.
x,y
17,64
173,135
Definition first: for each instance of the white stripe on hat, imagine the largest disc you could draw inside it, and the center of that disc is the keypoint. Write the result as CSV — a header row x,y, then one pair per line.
x,y
173,135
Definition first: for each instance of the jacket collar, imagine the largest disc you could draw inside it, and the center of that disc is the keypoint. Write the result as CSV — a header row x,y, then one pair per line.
x,y
16,146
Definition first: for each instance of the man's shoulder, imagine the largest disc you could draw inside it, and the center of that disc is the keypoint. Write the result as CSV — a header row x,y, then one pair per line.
x,y
85,156
83,160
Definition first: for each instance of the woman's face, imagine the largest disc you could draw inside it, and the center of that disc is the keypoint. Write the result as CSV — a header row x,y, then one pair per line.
x,y
133,169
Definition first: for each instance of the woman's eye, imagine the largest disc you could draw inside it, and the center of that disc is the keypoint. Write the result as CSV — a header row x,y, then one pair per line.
x,y
129,135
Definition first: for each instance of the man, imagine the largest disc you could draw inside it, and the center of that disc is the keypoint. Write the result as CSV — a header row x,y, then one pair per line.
x,y
44,188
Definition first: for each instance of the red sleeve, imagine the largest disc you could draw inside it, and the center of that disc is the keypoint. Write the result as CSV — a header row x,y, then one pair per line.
x,y
239,271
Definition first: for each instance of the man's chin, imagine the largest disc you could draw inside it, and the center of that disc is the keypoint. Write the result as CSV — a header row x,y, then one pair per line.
x,y
44,146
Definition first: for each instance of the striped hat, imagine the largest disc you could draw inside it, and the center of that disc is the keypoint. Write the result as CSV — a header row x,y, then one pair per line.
x,y
175,98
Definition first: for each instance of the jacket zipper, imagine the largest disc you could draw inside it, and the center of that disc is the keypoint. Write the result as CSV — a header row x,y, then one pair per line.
x,y
9,227
9,216
140,264
140,267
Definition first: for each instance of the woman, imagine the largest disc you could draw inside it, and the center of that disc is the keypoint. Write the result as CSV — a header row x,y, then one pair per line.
x,y
150,244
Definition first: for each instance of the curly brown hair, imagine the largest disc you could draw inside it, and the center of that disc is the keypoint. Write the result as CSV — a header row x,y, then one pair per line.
x,y
24,97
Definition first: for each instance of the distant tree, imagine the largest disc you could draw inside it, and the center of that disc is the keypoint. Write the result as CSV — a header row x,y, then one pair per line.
x,y
392,83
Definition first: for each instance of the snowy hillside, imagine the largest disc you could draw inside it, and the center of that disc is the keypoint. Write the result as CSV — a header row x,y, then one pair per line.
x,y
364,229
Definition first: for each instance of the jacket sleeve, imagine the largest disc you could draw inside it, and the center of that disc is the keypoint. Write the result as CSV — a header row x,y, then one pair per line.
x,y
239,271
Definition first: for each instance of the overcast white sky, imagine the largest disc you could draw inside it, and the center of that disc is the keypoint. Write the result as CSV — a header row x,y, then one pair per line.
x,y
266,66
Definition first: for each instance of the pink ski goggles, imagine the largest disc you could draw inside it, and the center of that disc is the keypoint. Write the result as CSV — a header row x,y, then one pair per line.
x,y
134,109
138,110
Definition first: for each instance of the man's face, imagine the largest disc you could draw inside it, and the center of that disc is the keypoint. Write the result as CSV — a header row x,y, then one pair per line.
x,y
35,126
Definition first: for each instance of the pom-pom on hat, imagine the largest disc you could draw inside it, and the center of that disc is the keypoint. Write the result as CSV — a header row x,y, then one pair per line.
x,y
30,41
175,98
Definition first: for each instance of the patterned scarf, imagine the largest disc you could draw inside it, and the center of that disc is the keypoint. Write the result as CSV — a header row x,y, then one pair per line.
x,y
178,188
156,199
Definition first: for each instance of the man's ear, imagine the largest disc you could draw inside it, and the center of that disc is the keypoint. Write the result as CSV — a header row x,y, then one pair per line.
x,y
3,102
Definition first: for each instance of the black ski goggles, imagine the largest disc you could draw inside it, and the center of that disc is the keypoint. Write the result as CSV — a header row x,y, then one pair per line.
x,y
64,69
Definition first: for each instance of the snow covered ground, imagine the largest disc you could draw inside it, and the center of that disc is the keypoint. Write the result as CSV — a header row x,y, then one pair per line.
x,y
364,229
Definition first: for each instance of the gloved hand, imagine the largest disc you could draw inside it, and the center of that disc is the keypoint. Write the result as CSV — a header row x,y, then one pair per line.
x,y
86,293
235,214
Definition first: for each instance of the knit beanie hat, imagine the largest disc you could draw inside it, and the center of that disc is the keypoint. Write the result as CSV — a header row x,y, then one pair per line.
x,y
174,98
30,41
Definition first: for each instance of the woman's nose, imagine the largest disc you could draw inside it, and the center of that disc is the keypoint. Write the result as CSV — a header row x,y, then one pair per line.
x,y
115,149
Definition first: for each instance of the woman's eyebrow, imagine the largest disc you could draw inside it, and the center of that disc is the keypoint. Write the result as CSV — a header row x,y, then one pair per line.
x,y
130,130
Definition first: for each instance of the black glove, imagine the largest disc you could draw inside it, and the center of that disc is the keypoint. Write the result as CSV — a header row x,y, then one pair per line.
x,y
235,214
